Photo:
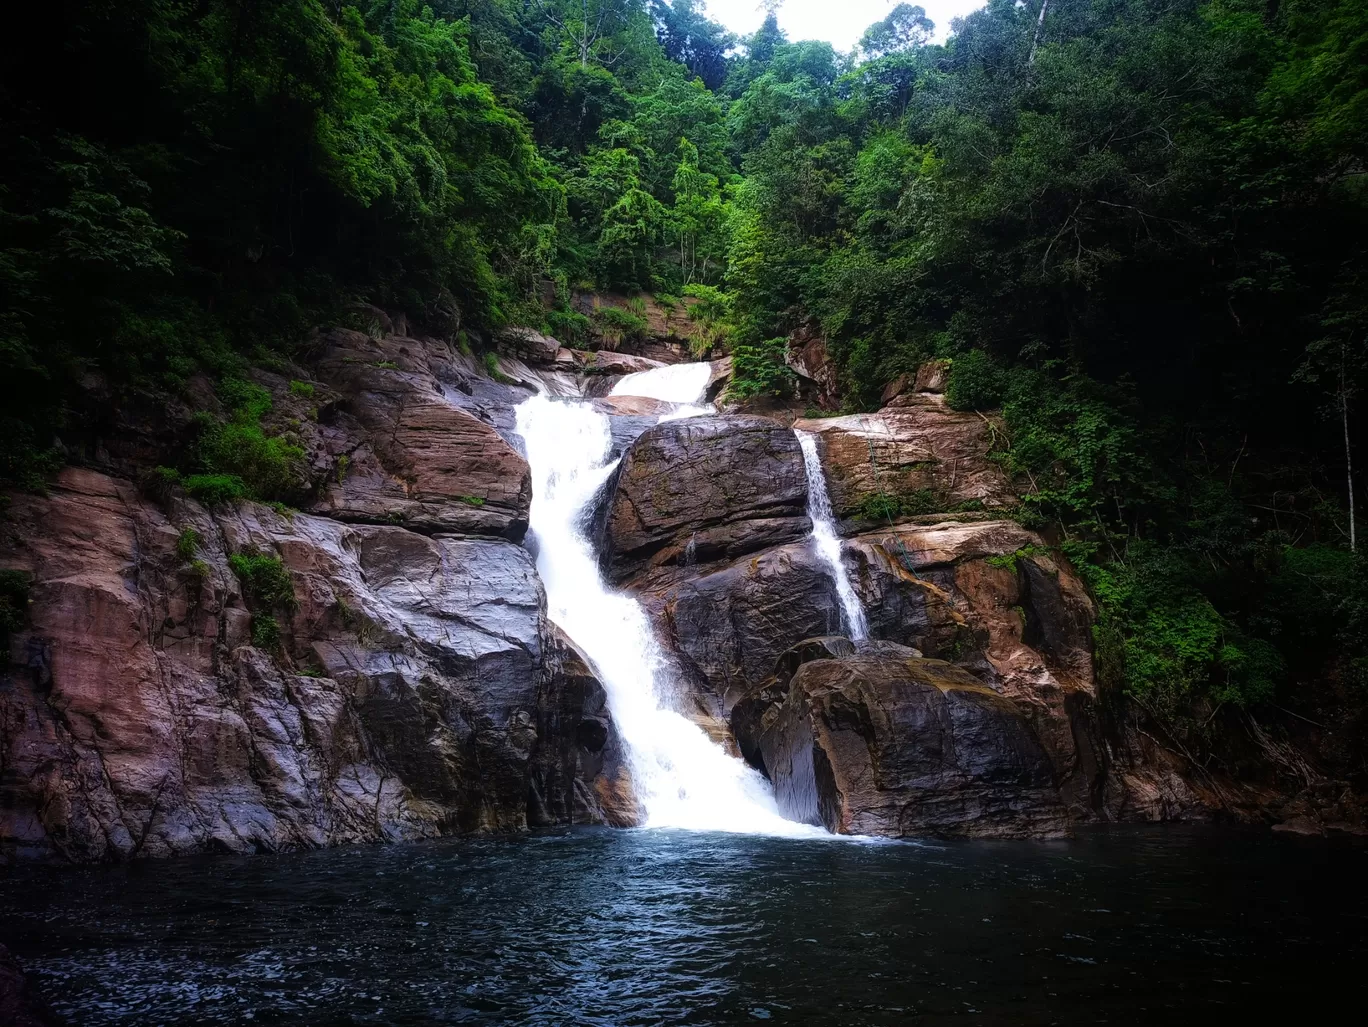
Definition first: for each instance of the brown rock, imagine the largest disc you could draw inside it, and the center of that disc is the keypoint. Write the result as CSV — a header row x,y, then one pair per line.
x,y
634,406
933,376
704,489
422,462
899,747
529,345
409,697
932,458
608,362
719,379
809,358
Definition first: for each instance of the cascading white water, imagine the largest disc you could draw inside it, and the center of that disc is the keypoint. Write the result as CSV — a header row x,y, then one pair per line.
x,y
827,541
675,383
682,778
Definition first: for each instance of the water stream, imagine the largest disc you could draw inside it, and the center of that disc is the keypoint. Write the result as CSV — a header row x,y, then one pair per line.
x,y
828,543
682,778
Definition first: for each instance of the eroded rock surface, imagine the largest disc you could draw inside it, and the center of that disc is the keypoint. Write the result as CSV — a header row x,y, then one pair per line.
x,y
901,746
703,489
417,687
923,455
420,460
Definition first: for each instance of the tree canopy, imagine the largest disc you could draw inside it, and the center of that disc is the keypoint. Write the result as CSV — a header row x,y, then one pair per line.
x,y
1135,227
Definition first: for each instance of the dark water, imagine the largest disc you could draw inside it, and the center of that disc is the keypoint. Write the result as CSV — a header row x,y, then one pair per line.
x,y
617,928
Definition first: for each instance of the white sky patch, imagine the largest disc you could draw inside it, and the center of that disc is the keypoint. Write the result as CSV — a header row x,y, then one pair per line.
x,y
839,22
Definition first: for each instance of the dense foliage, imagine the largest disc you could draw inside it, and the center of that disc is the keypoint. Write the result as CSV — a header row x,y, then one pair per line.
x,y
1136,227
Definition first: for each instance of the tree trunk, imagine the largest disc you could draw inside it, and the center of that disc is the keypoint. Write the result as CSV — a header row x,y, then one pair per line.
x,y
1040,24
1349,465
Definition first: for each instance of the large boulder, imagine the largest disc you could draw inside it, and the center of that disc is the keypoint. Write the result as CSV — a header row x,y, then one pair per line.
x,y
421,460
412,686
987,596
612,363
703,489
898,747
529,345
924,457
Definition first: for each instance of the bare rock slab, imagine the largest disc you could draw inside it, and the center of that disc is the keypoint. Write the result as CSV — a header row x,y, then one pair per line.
x,y
902,747
704,489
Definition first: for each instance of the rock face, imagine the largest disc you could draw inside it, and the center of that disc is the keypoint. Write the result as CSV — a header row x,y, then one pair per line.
x,y
669,333
956,591
397,676
417,687
897,747
529,345
926,457
418,459
703,489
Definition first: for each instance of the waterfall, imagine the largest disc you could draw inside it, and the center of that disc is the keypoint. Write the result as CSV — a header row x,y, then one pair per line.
x,y
827,541
682,778
675,383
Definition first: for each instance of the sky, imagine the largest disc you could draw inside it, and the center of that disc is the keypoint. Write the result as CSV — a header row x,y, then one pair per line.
x,y
840,22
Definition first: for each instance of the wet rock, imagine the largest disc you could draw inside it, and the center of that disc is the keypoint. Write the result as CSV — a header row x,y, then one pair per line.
x,y
634,406
584,778
924,456
976,594
701,490
900,747
609,362
409,695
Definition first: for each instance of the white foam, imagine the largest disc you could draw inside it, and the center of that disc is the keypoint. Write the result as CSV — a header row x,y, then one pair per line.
x,y
682,778
826,540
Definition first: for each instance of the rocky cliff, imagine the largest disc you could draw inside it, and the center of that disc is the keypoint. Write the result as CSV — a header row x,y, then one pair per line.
x,y
395,675
406,684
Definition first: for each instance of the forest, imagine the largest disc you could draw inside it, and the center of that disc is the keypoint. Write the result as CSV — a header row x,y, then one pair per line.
x,y
1138,230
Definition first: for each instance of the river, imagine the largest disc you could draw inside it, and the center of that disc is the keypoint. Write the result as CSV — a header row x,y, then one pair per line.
x,y
598,927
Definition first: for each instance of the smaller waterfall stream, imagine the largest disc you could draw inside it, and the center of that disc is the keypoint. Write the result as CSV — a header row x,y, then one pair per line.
x,y
827,541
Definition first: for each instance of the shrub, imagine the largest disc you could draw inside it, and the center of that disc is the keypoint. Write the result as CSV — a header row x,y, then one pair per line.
x,y
159,484
304,390
569,326
216,489
265,464
23,460
14,600
618,324
885,506
760,370
187,544
265,632
264,578
975,382
245,400
880,506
